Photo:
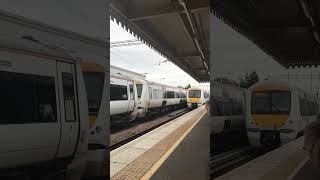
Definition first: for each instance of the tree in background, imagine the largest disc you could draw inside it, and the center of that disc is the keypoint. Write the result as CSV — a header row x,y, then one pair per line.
x,y
188,86
224,80
249,80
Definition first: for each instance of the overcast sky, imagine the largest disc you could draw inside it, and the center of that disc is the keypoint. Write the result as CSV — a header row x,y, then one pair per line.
x,y
142,59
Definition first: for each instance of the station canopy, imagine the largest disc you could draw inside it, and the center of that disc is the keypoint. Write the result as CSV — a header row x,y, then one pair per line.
x,y
286,30
178,29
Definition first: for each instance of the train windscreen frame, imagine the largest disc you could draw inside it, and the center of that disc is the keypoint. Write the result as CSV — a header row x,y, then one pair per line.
x,y
194,94
139,89
271,102
94,83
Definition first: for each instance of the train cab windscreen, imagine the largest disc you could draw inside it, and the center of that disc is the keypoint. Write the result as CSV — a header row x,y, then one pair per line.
x,y
139,90
194,94
277,102
94,86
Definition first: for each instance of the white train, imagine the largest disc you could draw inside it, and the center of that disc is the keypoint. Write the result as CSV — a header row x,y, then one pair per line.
x,y
44,105
278,112
123,98
132,98
197,97
228,109
44,110
155,97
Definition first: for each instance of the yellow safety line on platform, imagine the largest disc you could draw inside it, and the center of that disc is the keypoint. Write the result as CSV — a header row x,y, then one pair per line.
x,y
297,169
157,165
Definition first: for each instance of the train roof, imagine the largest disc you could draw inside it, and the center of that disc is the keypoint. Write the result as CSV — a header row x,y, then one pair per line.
x,y
121,77
275,85
33,37
198,88
164,85
126,72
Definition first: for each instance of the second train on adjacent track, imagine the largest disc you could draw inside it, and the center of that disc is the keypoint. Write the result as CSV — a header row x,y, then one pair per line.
x,y
132,98
278,112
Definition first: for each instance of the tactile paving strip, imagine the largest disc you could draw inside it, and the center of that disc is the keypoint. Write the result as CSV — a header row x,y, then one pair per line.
x,y
140,166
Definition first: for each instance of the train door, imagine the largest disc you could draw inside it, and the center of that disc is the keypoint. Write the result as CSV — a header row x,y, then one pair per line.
x,y
68,109
150,97
29,124
131,103
118,96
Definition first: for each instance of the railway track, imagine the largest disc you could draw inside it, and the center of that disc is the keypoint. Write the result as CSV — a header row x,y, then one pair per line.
x,y
222,163
171,116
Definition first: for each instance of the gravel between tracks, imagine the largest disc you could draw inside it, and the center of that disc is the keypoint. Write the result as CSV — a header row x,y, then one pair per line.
x,y
135,128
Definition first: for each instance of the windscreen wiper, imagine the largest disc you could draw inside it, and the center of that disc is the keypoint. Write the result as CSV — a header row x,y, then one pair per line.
x,y
277,109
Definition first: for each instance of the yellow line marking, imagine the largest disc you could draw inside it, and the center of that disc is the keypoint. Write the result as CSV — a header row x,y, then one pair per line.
x,y
297,169
158,164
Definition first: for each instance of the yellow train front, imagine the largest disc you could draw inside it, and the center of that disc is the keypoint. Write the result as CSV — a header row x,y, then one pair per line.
x,y
197,97
277,113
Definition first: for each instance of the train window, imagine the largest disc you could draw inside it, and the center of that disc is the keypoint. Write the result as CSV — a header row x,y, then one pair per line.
x,y
131,92
69,97
27,99
217,107
161,95
194,94
311,107
169,94
303,107
118,93
46,99
94,87
236,107
157,94
150,93
139,90
271,102
227,109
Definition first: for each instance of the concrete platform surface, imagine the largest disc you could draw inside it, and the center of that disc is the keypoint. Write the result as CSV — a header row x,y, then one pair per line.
x,y
281,163
141,157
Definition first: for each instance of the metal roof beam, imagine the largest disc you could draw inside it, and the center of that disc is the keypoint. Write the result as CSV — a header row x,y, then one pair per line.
x,y
194,33
306,7
165,11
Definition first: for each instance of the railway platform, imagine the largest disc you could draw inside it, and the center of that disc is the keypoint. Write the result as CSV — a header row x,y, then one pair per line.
x,y
287,162
177,149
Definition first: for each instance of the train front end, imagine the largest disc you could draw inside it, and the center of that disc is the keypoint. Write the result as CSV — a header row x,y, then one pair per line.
x,y
268,115
194,98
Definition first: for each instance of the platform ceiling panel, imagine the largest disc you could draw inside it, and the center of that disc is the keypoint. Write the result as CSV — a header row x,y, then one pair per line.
x,y
287,30
177,29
